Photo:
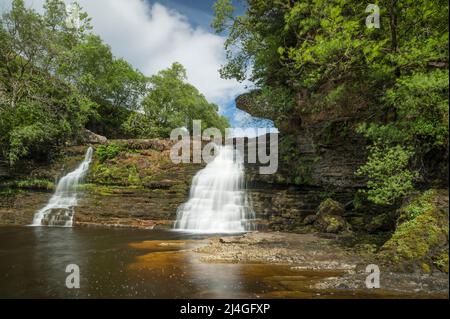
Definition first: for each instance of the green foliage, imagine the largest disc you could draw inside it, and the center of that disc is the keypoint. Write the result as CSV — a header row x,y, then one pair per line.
x,y
100,76
420,102
421,237
55,80
32,183
110,174
7,195
441,261
105,152
389,177
357,201
224,10
321,53
139,125
38,111
421,105
172,103
409,244
418,206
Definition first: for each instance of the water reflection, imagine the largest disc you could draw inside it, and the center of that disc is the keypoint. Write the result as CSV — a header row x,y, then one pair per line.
x,y
33,261
122,263
127,263
53,250
215,281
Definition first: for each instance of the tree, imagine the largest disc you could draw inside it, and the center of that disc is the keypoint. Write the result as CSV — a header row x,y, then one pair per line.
x,y
318,55
38,111
55,80
171,102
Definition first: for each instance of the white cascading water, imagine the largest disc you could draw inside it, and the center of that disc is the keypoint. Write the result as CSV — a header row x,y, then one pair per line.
x,y
60,209
218,201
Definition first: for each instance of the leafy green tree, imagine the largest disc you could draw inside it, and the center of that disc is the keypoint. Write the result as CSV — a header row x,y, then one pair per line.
x,y
55,79
171,102
38,111
318,56
103,78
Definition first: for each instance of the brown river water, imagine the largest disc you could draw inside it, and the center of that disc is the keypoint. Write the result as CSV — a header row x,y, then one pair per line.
x,y
133,263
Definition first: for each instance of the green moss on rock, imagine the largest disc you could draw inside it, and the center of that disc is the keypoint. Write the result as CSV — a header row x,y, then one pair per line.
x,y
329,217
441,261
331,207
33,183
417,206
422,231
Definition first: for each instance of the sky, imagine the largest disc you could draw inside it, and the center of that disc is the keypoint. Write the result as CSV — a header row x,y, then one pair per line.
x,y
151,35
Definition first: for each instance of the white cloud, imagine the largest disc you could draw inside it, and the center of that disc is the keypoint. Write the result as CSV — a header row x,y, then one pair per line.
x,y
152,37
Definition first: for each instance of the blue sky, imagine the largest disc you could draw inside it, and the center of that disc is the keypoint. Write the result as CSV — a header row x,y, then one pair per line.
x,y
151,35
200,14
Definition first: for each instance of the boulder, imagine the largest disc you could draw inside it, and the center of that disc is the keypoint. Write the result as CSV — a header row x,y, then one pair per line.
x,y
420,241
93,138
330,207
381,222
328,218
331,224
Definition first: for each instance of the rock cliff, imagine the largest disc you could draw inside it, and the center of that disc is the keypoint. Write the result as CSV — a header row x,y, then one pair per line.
x,y
130,183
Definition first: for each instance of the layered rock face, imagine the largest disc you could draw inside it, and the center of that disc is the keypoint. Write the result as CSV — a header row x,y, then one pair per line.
x,y
318,157
284,208
319,149
319,153
130,183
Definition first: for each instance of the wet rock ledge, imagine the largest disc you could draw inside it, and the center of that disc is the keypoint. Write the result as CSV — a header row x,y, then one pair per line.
x,y
314,253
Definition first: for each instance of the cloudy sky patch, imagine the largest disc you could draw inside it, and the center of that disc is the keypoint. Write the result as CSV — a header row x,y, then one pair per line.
x,y
151,36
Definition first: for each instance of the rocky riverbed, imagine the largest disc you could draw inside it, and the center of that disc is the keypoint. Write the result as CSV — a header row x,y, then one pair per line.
x,y
313,253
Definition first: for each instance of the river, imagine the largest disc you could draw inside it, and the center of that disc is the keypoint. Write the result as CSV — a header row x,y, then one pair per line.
x,y
139,263
115,263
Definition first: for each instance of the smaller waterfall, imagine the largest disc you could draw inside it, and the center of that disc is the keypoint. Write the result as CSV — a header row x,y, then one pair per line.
x,y
60,209
218,201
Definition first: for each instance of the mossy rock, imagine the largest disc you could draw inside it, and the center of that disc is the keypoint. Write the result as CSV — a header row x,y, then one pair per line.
x,y
328,218
310,219
331,207
421,233
416,205
331,224
440,261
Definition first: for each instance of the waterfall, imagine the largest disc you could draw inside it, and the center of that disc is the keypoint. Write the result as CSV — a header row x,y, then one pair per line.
x,y
218,201
60,209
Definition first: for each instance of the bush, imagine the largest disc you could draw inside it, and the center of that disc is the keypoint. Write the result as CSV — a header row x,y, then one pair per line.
x,y
388,173
105,152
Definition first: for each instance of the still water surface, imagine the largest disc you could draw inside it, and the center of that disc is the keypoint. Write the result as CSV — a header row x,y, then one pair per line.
x,y
131,263
118,263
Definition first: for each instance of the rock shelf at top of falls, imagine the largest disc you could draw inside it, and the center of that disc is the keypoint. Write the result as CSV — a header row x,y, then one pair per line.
x,y
218,200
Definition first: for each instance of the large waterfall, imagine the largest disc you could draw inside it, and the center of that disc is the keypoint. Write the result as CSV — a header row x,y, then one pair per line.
x,y
218,202
60,209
